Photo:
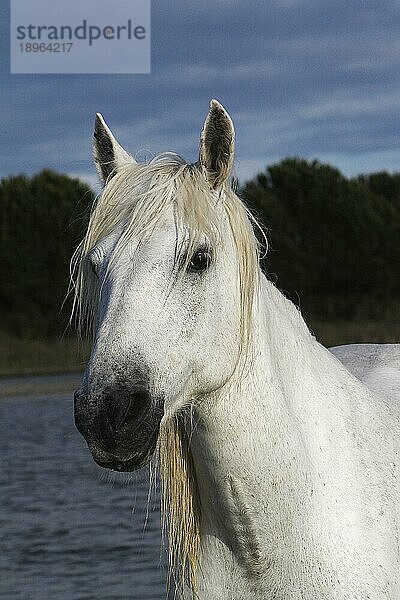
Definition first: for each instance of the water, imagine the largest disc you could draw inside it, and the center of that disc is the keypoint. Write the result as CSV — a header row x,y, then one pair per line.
x,y
68,530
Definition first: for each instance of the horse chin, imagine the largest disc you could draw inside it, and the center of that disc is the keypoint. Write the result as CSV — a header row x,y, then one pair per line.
x,y
124,466
123,461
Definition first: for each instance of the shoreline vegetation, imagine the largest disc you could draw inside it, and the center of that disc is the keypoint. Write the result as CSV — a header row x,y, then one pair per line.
x,y
28,357
21,356
39,385
333,249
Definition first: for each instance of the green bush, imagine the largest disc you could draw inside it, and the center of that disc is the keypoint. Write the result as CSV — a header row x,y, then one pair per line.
x,y
42,219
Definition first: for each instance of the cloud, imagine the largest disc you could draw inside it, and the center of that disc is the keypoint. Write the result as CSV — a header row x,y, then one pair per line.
x,y
304,78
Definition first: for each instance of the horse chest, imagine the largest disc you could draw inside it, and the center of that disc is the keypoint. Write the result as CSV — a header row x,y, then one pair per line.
x,y
269,559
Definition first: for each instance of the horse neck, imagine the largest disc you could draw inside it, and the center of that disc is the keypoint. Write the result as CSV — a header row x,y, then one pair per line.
x,y
288,430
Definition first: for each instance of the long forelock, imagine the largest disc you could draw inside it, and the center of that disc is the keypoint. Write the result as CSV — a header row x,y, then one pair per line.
x,y
136,198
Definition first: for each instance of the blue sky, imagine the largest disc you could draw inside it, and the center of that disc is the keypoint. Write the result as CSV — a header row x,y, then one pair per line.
x,y
306,78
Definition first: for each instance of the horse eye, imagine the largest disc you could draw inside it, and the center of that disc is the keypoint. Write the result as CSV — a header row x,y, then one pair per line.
x,y
94,261
93,266
200,260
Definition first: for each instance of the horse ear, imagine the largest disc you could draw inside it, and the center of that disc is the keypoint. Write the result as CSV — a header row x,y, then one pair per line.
x,y
109,156
217,144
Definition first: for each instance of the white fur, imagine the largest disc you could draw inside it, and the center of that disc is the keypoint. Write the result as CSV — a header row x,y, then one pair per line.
x,y
377,365
313,455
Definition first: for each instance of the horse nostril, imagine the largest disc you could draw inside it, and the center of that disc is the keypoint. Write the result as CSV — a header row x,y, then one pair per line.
x,y
134,409
123,410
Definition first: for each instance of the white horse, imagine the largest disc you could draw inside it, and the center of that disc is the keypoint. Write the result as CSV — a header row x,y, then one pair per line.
x,y
280,465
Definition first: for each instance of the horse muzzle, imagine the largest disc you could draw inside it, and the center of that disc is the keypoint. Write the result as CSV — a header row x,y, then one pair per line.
x,y
120,426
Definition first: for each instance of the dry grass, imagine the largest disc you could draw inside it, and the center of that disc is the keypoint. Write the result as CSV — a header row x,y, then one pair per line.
x,y
19,356
335,333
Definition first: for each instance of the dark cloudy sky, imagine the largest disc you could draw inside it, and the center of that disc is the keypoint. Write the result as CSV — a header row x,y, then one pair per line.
x,y
311,78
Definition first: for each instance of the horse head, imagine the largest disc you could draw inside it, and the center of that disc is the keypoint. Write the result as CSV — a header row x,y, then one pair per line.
x,y
159,276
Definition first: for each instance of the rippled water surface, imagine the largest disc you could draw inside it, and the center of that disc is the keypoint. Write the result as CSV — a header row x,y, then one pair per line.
x,y
68,530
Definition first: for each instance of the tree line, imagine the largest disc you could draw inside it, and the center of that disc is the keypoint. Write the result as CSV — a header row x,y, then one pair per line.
x,y
334,242
42,220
